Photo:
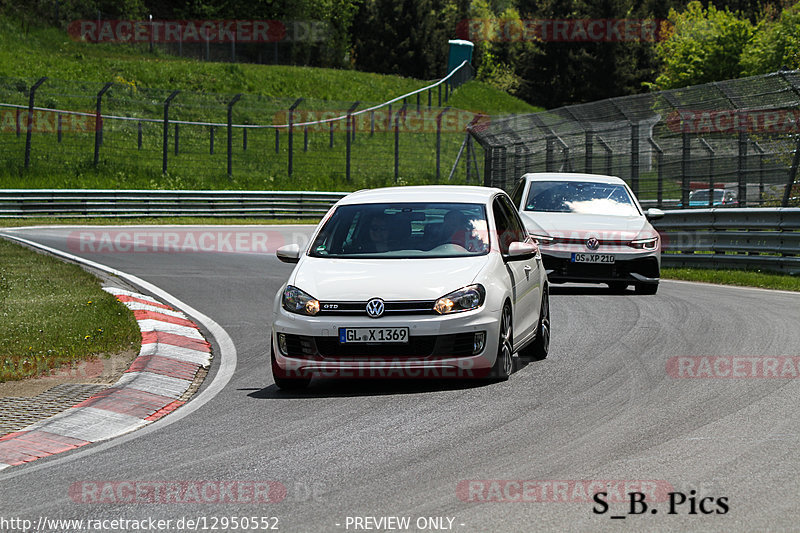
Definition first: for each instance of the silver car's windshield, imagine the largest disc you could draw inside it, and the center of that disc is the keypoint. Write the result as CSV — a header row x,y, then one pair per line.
x,y
584,197
403,230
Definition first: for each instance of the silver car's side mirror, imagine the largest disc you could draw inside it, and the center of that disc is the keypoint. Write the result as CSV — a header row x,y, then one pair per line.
x,y
289,253
654,213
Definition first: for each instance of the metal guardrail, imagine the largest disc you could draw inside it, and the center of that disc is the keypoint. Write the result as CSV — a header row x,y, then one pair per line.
x,y
77,203
753,238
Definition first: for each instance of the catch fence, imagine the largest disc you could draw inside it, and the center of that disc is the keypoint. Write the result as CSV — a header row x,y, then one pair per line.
x,y
161,138
739,135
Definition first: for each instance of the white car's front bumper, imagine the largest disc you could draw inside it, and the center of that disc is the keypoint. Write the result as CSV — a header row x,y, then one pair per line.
x,y
632,266
438,346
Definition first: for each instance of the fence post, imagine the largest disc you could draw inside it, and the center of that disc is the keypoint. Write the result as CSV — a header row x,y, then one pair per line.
x,y
165,141
98,122
686,152
177,138
397,143
792,175
760,171
291,133
609,155
18,122
635,159
348,140
548,155
439,141
330,134
589,146
244,139
59,127
277,140
711,154
305,138
660,178
440,94
31,98
230,133
139,136
742,169
372,123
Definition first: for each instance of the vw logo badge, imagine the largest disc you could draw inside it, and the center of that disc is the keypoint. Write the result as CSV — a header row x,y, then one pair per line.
x,y
375,308
592,243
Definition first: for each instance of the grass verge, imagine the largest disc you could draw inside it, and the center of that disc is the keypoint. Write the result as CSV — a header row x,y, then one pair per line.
x,y
54,313
744,278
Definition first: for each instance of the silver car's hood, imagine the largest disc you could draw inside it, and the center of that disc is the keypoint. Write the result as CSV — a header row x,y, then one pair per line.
x,y
575,225
389,279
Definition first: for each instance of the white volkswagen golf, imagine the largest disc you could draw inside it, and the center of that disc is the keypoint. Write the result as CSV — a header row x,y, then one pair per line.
x,y
591,229
429,281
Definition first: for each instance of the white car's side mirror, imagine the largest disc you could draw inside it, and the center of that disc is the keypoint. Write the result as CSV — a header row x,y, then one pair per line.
x,y
289,253
654,213
522,250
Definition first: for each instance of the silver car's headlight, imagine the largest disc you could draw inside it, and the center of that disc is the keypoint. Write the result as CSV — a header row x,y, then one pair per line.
x,y
296,301
465,299
644,244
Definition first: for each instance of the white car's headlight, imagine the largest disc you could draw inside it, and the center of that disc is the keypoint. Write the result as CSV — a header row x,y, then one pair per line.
x,y
296,301
650,243
465,299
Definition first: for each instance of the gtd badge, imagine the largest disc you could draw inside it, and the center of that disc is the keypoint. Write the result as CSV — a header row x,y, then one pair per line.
x,y
375,308
592,243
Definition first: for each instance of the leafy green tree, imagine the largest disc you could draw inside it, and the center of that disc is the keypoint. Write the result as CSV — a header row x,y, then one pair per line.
x,y
407,37
702,45
559,72
776,44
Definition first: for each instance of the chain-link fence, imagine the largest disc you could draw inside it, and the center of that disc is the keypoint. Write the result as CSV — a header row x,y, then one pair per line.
x,y
738,138
121,135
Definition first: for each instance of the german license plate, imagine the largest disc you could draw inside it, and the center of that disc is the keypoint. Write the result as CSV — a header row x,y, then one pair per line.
x,y
373,335
592,258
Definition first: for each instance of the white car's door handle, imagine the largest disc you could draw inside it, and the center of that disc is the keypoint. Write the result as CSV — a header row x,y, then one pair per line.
x,y
527,268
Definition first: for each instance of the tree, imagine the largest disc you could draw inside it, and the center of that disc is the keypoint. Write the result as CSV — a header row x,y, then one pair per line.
x,y
702,45
776,44
565,71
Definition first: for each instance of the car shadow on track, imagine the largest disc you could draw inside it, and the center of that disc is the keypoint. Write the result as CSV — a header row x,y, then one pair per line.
x,y
327,387
331,387
590,290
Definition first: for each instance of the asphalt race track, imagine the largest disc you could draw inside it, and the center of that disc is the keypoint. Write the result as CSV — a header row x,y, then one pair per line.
x,y
603,407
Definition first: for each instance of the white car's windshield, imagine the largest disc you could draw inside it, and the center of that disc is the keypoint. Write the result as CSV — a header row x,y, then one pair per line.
x,y
584,197
404,230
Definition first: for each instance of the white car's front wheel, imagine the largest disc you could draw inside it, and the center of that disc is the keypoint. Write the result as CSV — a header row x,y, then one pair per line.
x,y
504,364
